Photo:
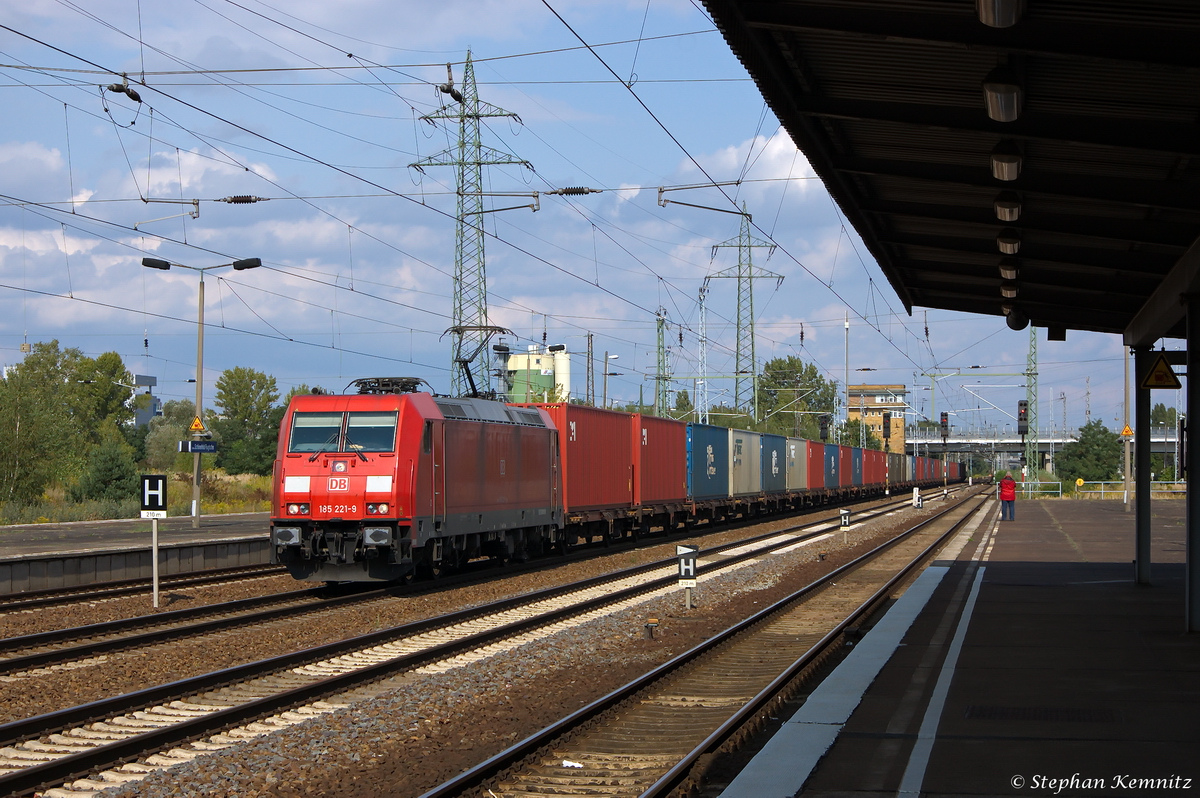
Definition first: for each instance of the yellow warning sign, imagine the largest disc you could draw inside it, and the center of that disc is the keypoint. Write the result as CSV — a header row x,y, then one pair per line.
x,y
1127,432
1161,375
197,425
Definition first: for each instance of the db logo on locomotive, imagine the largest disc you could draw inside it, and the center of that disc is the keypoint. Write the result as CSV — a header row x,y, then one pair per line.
x,y
339,483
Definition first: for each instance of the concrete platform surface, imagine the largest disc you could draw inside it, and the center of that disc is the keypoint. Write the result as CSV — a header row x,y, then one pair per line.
x,y
1037,668
39,540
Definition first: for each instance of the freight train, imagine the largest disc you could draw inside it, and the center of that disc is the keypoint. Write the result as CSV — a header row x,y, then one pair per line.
x,y
388,482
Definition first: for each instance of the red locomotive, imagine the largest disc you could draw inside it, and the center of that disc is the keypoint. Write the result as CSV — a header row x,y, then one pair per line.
x,y
376,485
388,482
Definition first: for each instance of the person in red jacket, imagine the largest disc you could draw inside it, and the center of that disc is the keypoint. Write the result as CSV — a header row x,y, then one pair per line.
x,y
1008,498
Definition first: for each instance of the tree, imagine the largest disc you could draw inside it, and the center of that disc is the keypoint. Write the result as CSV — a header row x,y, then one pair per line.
x,y
245,401
852,434
1094,457
111,473
1161,414
683,404
166,431
791,393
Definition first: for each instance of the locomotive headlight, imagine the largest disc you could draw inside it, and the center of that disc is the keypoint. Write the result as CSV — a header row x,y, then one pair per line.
x,y
382,508
377,536
340,466
286,535
297,508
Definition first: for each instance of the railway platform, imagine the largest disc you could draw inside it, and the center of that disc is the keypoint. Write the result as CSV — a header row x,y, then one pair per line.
x,y
47,556
1026,663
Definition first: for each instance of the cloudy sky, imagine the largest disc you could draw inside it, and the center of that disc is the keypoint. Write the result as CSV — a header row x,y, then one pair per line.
x,y
317,107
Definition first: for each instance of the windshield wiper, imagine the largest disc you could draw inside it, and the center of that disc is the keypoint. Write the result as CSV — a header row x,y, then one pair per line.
x,y
349,447
331,439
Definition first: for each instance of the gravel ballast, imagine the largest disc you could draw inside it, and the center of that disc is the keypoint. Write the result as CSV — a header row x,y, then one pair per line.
x,y
428,727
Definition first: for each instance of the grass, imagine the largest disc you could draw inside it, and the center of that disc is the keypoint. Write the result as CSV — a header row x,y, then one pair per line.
x,y
220,493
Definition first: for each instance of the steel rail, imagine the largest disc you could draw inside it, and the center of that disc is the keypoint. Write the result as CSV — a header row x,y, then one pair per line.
x,y
680,772
30,779
92,648
32,599
478,776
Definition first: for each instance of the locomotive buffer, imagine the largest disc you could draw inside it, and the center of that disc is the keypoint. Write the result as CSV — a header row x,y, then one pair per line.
x,y
687,571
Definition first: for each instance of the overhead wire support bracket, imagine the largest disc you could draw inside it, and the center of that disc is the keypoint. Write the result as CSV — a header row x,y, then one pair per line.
x,y
194,212
535,206
664,202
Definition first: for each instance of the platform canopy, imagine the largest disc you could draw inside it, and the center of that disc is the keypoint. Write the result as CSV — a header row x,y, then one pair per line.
x,y
1071,182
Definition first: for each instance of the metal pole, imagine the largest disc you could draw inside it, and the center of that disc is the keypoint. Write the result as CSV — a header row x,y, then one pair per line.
x,y
605,404
154,557
1192,456
1128,470
199,405
1141,467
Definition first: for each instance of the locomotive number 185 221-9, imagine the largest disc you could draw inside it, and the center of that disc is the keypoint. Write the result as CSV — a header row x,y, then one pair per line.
x,y
337,508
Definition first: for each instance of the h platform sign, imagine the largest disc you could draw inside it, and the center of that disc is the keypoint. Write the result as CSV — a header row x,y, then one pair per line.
x,y
154,496
687,565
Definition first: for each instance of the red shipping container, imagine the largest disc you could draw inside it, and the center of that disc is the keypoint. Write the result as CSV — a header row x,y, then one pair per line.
x,y
595,456
659,460
845,466
874,475
816,464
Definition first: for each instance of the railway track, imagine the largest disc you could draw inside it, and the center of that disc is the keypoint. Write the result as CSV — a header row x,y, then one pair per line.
x,y
645,738
39,599
149,729
30,655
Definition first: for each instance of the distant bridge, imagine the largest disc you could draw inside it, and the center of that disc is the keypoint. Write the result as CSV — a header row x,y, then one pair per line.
x,y
1162,440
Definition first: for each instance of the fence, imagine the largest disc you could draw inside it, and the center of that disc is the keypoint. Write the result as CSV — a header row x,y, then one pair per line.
x,y
1116,490
1040,490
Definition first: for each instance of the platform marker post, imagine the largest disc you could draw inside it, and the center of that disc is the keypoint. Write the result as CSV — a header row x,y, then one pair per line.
x,y
154,507
687,572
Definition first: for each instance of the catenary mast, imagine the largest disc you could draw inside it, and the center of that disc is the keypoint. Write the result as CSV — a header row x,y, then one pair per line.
x,y
469,156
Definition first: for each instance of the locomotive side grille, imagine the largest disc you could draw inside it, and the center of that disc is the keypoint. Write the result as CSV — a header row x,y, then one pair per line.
x,y
452,410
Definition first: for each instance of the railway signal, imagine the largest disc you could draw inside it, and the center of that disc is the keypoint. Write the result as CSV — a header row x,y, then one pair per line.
x,y
1023,417
823,419
887,425
945,426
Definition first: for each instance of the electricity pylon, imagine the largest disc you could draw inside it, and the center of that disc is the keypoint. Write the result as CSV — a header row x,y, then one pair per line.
x,y
662,377
469,156
746,368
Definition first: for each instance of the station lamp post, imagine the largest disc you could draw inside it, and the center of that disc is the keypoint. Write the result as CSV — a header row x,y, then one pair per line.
x,y
239,265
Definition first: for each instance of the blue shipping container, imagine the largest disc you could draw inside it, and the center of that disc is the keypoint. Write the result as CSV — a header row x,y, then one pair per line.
x,y
832,456
708,461
856,466
774,463
910,471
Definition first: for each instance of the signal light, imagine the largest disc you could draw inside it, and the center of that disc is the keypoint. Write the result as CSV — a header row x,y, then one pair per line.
x,y
887,425
823,419
1023,417
945,425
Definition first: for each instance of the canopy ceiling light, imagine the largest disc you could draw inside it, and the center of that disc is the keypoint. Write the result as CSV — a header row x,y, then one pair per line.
x,y
1006,160
1007,307
1008,289
999,13
1002,94
1007,206
1017,320
1010,268
1009,241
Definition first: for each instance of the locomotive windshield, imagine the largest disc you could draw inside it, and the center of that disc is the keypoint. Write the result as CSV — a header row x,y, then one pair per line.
x,y
371,432
343,432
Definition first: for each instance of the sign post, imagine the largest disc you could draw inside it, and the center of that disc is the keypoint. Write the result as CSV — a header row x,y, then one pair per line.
x,y
687,572
154,507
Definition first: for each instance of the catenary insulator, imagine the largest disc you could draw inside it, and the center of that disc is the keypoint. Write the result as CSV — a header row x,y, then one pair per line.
x,y
242,199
